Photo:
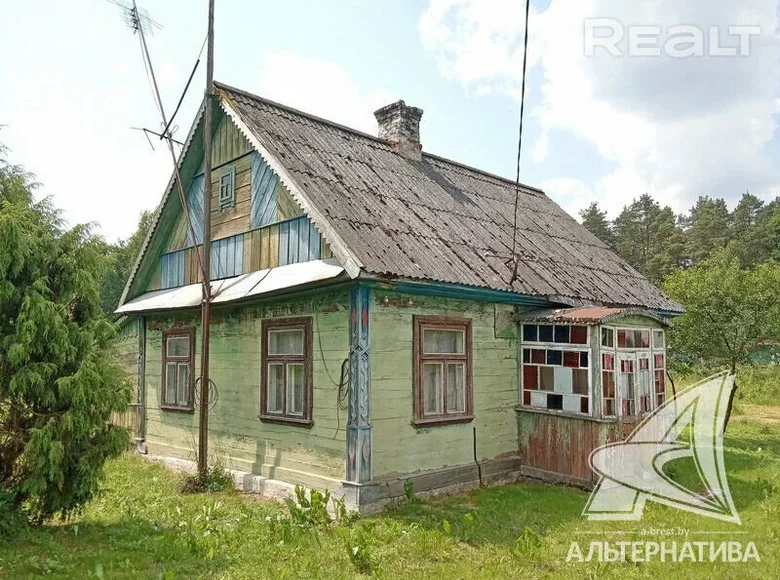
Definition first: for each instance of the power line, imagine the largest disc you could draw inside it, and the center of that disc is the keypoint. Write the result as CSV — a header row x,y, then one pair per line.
x,y
514,259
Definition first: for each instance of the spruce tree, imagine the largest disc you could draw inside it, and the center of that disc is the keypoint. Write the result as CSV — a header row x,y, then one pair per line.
x,y
59,381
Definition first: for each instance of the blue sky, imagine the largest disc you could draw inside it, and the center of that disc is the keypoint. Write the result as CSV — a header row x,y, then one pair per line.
x,y
599,128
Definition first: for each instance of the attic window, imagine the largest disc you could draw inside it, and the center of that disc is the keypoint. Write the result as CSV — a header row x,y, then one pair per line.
x,y
227,189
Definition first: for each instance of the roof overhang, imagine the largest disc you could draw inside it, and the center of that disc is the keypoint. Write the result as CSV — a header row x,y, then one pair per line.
x,y
589,315
247,286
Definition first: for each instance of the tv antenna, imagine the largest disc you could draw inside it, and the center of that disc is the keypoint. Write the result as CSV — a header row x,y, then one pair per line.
x,y
137,19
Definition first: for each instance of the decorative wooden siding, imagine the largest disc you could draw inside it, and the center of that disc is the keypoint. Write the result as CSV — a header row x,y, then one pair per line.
x,y
195,205
264,229
299,241
287,207
279,244
172,269
227,257
264,197
235,219
227,144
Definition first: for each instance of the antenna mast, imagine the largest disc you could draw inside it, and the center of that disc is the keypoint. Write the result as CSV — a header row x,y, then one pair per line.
x,y
203,430
140,22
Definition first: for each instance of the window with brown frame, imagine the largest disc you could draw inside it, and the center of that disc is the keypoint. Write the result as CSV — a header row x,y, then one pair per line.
x,y
287,371
442,370
177,370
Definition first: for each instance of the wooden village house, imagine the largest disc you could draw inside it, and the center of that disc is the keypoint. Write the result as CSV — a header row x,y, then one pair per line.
x,y
366,327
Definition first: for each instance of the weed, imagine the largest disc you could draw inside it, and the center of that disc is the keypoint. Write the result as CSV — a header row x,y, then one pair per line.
x,y
134,530
359,551
343,515
409,490
528,541
216,479
309,511
468,522
203,532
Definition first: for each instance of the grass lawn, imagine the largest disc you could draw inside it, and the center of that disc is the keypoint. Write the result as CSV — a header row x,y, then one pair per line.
x,y
141,527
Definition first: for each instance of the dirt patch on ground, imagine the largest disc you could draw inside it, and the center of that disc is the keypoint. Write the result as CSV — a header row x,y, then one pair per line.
x,y
759,413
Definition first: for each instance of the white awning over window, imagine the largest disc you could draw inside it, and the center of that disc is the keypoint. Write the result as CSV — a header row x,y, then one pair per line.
x,y
237,288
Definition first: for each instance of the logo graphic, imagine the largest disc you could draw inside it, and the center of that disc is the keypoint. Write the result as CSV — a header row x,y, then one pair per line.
x,y
687,426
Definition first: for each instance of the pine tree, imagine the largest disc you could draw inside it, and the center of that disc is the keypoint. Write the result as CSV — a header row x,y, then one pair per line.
x,y
648,237
59,381
707,228
753,239
596,222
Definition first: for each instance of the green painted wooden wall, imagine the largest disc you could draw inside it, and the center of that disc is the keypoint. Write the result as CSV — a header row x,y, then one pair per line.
x,y
310,456
399,447
126,349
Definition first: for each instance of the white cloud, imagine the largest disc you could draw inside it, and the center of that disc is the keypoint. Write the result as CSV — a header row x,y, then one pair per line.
x,y
320,88
571,194
676,128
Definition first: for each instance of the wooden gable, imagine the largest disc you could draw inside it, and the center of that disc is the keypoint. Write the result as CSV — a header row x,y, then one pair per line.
x,y
261,226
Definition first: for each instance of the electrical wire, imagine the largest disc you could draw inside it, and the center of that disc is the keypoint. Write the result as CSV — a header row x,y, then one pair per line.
x,y
342,394
514,260
158,101
184,92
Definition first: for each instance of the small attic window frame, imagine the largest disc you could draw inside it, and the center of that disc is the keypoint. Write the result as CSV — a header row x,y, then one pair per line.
x,y
227,189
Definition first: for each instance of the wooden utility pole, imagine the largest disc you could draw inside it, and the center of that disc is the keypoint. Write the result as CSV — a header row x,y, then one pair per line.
x,y
203,430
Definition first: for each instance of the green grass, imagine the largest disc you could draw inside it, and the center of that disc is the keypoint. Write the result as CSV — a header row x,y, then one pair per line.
x,y
757,384
141,527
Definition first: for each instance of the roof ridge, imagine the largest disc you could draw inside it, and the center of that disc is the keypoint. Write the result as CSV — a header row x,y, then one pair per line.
x,y
374,138
295,111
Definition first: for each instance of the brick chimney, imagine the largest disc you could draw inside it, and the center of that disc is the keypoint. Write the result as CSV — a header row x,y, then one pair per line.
x,y
400,125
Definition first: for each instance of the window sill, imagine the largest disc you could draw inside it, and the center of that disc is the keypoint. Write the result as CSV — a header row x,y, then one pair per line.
x,y
437,421
184,410
286,420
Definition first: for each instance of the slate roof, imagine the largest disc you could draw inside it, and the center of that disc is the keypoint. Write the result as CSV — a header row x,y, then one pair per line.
x,y
438,220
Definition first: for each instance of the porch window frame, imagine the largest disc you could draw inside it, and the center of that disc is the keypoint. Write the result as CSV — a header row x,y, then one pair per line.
x,y
563,347
190,359
422,323
634,351
303,323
